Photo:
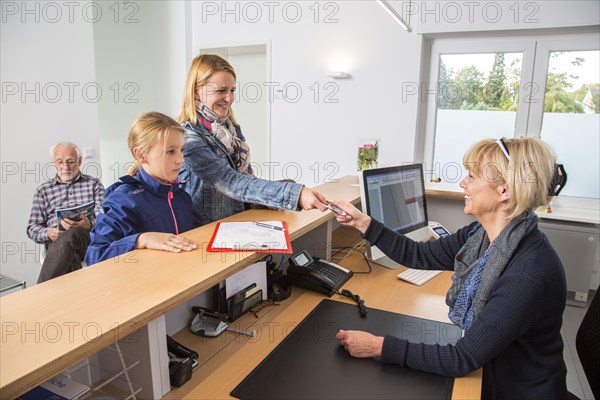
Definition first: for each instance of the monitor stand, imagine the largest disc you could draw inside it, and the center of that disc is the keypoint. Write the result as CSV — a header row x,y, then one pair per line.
x,y
377,256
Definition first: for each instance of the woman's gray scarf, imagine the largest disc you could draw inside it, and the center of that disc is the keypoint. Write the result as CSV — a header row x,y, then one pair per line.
x,y
224,130
478,265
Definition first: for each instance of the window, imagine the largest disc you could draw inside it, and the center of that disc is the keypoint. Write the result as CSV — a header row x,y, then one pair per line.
x,y
479,89
536,86
571,123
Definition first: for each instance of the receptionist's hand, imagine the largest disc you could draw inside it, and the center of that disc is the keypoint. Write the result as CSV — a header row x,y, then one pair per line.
x,y
310,199
164,241
353,218
360,344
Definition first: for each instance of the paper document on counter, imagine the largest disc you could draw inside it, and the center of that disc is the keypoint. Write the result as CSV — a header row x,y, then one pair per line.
x,y
261,236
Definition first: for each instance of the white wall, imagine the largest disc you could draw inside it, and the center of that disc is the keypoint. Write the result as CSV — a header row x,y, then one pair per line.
x,y
40,62
142,61
320,127
250,107
153,52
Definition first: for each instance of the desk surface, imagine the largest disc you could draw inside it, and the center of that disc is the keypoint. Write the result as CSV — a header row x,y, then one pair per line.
x,y
226,360
51,326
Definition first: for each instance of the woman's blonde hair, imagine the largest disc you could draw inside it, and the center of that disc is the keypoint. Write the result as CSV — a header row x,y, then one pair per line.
x,y
202,68
528,173
148,130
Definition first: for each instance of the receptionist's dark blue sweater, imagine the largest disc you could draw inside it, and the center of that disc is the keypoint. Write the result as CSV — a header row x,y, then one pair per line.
x,y
515,338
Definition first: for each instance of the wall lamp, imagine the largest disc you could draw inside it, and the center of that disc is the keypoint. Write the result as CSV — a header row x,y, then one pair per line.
x,y
392,11
338,75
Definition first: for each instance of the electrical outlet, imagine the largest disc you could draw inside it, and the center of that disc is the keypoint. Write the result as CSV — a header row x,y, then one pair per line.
x,y
580,296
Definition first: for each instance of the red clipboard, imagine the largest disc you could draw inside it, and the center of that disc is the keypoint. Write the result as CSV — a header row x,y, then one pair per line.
x,y
217,244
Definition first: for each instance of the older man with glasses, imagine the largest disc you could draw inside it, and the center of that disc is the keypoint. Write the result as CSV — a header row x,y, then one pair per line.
x,y
66,240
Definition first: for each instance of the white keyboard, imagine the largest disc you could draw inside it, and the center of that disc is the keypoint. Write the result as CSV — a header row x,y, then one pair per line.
x,y
418,276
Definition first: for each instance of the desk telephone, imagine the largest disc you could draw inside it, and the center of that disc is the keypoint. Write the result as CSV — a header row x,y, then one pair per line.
x,y
317,274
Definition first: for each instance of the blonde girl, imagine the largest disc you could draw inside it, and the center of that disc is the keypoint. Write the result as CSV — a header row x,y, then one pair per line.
x,y
146,209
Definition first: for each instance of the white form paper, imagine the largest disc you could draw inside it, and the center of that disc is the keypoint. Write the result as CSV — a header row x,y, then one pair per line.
x,y
251,236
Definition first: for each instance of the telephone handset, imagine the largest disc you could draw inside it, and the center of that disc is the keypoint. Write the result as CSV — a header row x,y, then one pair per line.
x,y
317,274
438,231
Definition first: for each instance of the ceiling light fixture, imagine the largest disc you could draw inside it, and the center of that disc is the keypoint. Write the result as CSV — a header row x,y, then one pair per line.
x,y
392,11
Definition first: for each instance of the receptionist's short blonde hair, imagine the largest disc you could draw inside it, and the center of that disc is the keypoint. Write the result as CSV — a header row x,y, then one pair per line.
x,y
527,168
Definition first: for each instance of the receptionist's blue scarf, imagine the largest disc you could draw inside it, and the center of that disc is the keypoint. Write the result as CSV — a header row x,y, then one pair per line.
x,y
478,265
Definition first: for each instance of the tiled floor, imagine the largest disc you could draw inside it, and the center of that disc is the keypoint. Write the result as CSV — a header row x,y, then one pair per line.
x,y
576,380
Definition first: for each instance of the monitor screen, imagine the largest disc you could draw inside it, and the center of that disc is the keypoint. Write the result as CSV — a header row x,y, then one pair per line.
x,y
395,196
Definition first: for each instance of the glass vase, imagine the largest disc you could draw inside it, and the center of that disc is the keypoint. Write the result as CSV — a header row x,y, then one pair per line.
x,y
368,151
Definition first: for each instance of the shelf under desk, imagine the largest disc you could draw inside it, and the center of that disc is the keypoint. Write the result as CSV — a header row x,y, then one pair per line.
x,y
226,360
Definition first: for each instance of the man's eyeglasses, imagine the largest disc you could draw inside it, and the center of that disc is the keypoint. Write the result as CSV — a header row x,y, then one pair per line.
x,y
67,162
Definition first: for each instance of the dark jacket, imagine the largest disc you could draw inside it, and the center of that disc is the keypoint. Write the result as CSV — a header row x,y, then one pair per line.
x,y
515,338
135,205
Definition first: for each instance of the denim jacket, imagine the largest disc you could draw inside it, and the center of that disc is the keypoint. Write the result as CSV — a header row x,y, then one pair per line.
x,y
217,189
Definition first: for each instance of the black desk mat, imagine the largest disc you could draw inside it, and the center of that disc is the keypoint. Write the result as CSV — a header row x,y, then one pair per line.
x,y
310,364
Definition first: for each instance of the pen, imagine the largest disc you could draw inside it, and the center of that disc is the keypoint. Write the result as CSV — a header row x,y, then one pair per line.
x,y
269,226
250,246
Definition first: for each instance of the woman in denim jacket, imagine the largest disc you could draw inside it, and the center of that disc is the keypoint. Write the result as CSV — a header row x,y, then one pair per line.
x,y
217,168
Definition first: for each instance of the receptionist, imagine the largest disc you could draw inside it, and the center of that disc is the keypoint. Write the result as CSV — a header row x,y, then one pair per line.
x,y
509,289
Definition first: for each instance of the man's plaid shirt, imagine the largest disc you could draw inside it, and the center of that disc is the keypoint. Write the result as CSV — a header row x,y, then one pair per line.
x,y
53,195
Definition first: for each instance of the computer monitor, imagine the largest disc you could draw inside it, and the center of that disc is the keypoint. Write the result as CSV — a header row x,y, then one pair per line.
x,y
396,197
